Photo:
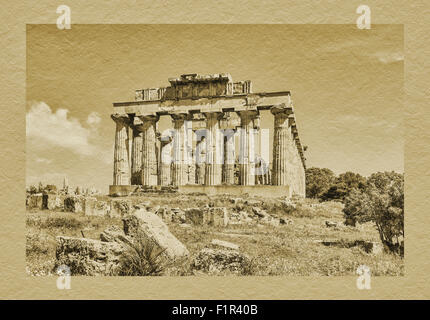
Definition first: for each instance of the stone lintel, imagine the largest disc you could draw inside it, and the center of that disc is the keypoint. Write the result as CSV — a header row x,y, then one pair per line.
x,y
262,98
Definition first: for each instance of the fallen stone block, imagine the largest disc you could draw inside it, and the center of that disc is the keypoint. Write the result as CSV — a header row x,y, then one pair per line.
x,y
119,208
93,207
197,216
330,224
35,201
73,204
114,234
218,216
146,224
87,256
218,260
224,244
52,201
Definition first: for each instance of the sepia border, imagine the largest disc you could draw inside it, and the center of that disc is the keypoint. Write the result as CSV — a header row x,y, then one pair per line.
x,y
15,284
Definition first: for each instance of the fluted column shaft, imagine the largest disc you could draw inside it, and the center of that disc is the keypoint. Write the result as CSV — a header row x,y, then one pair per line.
x,y
247,157
200,160
121,167
136,156
165,160
149,154
229,156
213,149
281,145
179,169
190,154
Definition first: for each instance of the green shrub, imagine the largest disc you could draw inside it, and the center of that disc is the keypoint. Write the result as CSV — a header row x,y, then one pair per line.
x,y
382,202
143,257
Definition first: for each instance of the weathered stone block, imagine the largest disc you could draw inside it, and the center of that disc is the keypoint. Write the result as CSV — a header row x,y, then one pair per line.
x,y
218,260
52,201
88,257
148,225
114,234
73,204
119,208
218,216
93,207
35,201
197,216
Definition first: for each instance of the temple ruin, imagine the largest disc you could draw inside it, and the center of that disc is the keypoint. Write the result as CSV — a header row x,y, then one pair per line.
x,y
208,112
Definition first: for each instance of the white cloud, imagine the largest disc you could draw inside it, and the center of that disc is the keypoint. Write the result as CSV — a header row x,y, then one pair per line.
x,y
57,129
389,57
93,119
43,160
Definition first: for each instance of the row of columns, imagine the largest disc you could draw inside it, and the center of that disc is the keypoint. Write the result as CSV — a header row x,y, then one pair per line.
x,y
145,155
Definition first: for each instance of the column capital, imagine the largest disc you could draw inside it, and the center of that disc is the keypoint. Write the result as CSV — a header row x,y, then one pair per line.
x,y
248,113
121,118
181,116
147,117
217,114
285,109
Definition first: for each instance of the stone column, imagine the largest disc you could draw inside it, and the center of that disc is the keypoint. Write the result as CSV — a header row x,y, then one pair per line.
x,y
165,160
136,152
190,154
149,154
247,156
121,167
213,149
179,169
229,156
281,141
200,160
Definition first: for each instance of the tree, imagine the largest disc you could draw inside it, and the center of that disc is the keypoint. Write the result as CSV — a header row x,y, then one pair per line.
x,y
343,185
318,181
381,201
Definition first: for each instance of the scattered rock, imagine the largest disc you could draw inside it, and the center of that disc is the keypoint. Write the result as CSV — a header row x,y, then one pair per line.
x,y
350,222
87,256
259,212
218,216
114,234
149,225
330,224
35,201
197,216
252,202
218,260
52,201
286,221
119,208
224,244
93,207
73,204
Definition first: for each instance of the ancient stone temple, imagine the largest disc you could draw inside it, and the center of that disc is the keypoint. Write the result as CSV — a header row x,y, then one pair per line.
x,y
208,113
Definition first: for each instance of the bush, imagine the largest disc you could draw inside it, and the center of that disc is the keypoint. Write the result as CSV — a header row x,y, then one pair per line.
x,y
343,185
318,181
381,201
143,257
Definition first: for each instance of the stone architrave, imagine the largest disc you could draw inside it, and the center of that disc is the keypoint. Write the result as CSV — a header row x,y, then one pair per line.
x,y
281,141
121,171
149,154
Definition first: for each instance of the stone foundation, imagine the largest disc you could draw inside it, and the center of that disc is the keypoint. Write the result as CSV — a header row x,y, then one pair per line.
x,y
258,190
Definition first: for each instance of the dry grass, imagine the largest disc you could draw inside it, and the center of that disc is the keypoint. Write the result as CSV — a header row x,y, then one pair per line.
x,y
285,250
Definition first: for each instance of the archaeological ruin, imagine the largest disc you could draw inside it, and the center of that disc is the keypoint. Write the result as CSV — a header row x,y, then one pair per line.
x,y
199,151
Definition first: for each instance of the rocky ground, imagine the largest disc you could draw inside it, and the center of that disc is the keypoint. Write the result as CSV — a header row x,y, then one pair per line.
x,y
201,235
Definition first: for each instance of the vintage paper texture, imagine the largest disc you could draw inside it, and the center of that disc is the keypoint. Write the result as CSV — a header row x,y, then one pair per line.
x,y
15,16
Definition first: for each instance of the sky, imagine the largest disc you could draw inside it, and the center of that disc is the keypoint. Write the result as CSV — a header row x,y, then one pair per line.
x,y
346,85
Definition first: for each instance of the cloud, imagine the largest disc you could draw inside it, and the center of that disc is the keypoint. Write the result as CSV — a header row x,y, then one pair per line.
x,y
93,119
389,57
43,160
58,130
